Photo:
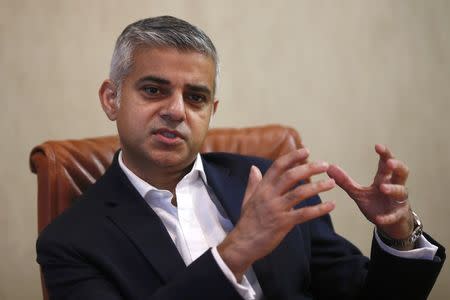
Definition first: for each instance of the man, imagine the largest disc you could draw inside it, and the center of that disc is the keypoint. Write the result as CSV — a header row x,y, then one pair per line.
x,y
167,223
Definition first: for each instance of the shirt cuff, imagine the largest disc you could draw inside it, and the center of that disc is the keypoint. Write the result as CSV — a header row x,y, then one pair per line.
x,y
244,288
424,249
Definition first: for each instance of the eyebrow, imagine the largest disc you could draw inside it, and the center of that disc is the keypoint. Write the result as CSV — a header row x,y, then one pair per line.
x,y
156,79
199,88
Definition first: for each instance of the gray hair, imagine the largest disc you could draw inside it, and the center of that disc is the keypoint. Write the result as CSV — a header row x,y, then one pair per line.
x,y
163,31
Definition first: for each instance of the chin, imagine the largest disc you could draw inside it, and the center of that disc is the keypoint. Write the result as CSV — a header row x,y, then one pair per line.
x,y
169,160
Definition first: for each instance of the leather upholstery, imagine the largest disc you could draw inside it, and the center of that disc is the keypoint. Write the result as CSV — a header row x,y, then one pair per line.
x,y
66,168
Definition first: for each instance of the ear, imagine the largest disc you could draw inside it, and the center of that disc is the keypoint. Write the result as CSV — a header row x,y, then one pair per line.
x,y
215,104
108,98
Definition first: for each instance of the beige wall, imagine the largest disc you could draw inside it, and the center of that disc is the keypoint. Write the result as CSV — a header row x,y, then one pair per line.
x,y
346,74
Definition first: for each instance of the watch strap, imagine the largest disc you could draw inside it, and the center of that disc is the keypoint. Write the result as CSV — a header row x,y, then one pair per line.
x,y
409,241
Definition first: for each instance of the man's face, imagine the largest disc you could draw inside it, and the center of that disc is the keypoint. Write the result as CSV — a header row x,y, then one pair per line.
x,y
165,108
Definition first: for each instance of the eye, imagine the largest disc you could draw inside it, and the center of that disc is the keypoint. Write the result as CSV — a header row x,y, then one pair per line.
x,y
197,98
151,90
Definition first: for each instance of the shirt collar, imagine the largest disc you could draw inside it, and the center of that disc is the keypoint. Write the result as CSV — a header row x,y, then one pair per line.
x,y
144,187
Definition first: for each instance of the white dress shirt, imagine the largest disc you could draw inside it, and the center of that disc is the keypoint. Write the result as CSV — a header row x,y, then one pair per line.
x,y
198,223
195,224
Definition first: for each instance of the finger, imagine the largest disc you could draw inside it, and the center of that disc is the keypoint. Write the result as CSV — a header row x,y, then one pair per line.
x,y
395,192
306,191
343,180
308,213
383,151
254,177
400,171
292,177
383,172
286,162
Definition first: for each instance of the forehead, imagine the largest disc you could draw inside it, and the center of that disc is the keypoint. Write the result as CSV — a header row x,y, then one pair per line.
x,y
181,67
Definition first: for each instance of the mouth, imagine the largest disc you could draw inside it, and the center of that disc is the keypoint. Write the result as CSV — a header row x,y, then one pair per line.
x,y
168,136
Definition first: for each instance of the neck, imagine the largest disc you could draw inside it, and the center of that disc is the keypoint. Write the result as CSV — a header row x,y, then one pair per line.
x,y
163,178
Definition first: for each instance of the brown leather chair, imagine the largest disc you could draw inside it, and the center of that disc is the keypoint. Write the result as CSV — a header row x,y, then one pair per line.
x,y
66,168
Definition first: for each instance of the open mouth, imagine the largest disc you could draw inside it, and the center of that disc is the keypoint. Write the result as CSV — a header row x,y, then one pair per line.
x,y
168,136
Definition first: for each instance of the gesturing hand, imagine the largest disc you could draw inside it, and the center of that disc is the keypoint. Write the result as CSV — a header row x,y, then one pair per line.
x,y
384,202
268,212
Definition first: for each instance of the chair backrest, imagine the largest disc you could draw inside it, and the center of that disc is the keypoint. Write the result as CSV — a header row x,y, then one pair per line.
x,y
66,168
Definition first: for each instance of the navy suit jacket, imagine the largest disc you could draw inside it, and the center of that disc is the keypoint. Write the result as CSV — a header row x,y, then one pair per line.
x,y
111,245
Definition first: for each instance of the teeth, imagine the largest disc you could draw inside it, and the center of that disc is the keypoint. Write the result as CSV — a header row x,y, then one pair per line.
x,y
169,135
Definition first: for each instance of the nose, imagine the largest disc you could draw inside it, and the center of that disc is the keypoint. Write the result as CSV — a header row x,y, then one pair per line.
x,y
174,109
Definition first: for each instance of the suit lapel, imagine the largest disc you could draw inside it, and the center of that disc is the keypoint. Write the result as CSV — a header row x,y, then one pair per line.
x,y
229,187
141,224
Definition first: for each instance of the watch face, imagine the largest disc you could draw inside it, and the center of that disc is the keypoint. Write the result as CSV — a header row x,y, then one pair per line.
x,y
418,228
417,222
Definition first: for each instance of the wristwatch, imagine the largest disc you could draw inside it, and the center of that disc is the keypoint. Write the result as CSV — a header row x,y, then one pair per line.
x,y
399,244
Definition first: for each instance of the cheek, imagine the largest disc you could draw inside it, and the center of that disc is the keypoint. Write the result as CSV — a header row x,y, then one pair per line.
x,y
123,119
137,116
199,124
130,124
199,119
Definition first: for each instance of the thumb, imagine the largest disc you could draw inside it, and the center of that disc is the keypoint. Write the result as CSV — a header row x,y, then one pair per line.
x,y
254,178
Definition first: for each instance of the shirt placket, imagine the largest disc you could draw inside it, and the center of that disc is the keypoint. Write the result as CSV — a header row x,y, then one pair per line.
x,y
189,224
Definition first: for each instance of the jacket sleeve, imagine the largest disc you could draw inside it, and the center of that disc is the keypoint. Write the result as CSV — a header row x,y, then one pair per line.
x,y
69,275
340,271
